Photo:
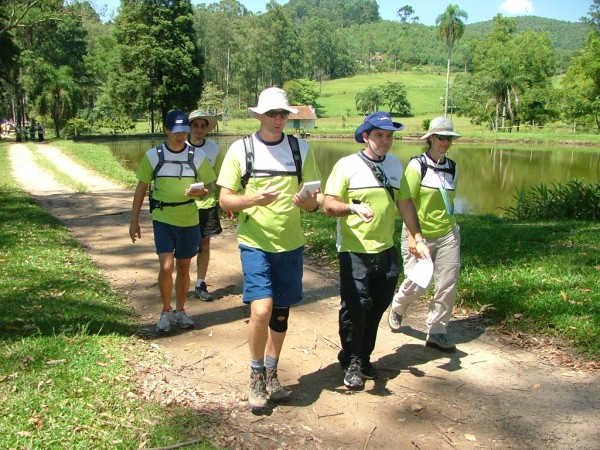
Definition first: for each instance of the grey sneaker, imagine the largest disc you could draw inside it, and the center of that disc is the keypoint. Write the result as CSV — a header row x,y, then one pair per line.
x,y
440,341
202,293
276,392
183,320
394,320
258,398
164,323
353,378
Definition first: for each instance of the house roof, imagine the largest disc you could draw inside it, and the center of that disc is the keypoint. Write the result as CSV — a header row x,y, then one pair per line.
x,y
304,112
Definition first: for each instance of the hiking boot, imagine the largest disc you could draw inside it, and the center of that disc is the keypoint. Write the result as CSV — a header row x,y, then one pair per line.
x,y
183,320
353,378
368,371
394,321
258,398
276,392
164,323
202,293
440,341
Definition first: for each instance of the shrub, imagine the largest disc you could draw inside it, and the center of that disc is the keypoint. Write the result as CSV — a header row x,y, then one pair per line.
x,y
574,200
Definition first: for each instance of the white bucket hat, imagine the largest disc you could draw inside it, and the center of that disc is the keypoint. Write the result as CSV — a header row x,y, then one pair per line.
x,y
270,99
211,121
442,126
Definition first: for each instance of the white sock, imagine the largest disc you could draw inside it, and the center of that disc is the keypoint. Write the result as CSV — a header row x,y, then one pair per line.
x,y
199,281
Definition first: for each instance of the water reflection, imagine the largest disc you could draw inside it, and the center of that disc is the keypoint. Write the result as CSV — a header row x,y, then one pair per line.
x,y
488,175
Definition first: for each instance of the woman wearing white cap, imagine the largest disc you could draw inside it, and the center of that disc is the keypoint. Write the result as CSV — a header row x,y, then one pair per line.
x,y
431,179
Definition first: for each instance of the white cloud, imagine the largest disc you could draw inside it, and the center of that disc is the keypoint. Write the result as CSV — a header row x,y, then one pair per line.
x,y
513,7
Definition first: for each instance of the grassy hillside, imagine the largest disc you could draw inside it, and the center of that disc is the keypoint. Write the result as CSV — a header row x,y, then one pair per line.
x,y
425,92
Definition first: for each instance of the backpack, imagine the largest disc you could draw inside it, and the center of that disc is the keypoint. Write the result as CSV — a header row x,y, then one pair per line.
x,y
250,170
425,165
161,161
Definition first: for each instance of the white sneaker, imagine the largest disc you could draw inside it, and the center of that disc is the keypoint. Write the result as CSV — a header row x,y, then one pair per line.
x,y
164,323
183,320
394,320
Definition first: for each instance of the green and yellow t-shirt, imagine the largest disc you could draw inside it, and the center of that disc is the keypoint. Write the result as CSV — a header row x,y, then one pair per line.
x,y
434,217
353,181
172,180
276,227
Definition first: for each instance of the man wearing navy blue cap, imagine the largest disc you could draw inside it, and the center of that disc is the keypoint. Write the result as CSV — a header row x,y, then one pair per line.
x,y
363,191
173,167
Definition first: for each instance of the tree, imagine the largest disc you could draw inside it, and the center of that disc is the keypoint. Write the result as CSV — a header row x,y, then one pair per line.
x,y
301,92
581,85
160,64
407,14
395,96
511,73
58,94
368,101
451,29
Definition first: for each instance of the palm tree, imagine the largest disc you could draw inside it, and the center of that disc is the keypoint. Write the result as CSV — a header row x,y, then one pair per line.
x,y
451,30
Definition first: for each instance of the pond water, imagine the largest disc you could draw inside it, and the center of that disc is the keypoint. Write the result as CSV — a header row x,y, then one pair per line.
x,y
489,175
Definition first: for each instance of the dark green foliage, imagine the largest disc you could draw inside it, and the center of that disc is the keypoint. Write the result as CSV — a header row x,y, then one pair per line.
x,y
575,200
160,62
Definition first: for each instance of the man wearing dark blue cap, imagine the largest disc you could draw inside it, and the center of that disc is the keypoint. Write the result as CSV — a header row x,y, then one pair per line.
x,y
173,167
363,191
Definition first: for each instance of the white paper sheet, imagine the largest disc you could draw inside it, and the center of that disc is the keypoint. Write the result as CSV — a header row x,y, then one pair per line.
x,y
422,272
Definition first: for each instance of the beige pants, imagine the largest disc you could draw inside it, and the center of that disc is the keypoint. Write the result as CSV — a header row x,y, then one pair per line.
x,y
445,253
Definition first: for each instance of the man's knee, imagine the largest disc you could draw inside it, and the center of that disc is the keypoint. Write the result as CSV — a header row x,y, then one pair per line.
x,y
279,319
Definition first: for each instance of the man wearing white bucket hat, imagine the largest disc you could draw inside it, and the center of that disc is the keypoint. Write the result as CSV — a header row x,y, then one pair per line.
x,y
260,179
431,179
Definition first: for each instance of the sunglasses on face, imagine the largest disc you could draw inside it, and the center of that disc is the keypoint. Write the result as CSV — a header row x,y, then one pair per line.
x,y
274,113
444,138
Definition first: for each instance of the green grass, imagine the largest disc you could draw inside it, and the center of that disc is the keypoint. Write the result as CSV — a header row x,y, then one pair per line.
x,y
60,176
544,273
66,373
99,159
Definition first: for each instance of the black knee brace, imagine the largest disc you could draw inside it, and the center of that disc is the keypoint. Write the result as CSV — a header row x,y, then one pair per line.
x,y
279,318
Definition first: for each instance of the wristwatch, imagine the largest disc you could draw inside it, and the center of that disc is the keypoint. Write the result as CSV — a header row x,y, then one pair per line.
x,y
421,240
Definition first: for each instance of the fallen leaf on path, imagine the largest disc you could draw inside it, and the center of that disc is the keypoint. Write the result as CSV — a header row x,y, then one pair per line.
x,y
470,437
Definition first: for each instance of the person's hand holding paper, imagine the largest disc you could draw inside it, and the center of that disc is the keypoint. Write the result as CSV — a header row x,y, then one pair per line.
x,y
422,272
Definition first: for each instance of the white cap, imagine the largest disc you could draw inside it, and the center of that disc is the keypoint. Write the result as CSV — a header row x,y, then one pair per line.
x,y
270,99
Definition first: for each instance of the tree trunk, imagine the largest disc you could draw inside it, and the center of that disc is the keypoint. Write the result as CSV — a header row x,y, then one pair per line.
x,y
447,84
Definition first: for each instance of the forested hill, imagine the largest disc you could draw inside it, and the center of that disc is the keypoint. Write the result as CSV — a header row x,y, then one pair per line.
x,y
396,45
566,37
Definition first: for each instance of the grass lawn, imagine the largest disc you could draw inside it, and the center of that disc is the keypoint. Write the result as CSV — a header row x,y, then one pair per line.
x,y
533,277
67,378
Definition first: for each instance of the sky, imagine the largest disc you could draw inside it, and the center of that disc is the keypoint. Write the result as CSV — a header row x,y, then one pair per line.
x,y
428,10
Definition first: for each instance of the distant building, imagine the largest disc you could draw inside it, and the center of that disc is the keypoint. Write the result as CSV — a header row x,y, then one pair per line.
x,y
305,119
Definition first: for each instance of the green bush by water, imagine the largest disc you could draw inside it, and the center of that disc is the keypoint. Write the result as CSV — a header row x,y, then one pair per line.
x,y
575,200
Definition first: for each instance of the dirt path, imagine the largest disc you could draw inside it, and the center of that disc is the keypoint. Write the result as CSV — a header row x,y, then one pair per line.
x,y
487,395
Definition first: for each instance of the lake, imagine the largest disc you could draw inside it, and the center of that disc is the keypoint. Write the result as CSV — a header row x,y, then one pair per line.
x,y
489,174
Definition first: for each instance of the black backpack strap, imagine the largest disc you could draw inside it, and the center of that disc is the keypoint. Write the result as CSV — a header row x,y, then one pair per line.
x,y
161,161
191,154
249,148
379,174
451,169
423,162
295,146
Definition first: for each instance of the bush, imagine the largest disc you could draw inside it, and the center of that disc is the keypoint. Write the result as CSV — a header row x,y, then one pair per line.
x,y
574,200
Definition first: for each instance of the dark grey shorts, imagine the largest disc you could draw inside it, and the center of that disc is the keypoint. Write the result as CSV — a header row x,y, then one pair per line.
x,y
210,223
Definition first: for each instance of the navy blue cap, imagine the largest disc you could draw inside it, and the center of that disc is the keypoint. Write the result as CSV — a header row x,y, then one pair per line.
x,y
177,122
379,119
